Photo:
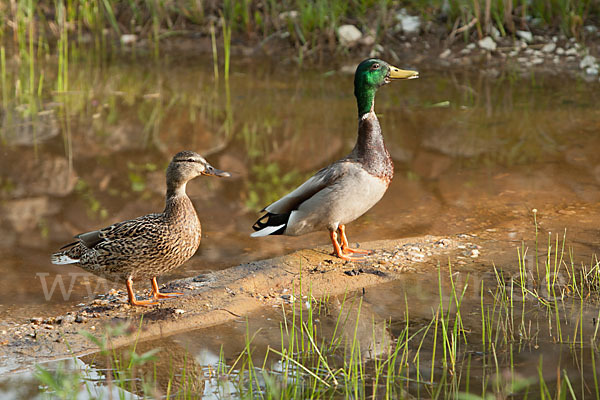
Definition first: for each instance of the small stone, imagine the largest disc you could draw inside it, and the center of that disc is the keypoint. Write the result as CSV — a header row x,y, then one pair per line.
x,y
537,61
590,28
409,23
445,53
474,253
495,33
292,14
560,51
376,51
471,46
128,39
592,71
549,47
179,311
348,35
80,318
525,35
571,51
36,320
366,40
487,43
588,61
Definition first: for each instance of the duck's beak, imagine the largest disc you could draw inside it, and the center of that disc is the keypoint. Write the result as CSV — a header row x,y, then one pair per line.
x,y
212,171
397,73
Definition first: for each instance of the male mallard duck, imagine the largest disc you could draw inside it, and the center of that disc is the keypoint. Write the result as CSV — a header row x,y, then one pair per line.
x,y
345,190
148,246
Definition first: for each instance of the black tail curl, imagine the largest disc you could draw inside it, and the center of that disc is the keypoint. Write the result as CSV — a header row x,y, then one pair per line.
x,y
270,219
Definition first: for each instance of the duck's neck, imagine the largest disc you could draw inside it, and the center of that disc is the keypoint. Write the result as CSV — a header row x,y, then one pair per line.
x,y
370,149
178,204
365,99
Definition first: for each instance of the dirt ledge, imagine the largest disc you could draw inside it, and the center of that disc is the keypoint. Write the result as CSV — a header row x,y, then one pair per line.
x,y
222,296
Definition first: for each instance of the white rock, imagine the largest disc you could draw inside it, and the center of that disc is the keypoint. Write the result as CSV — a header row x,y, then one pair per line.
x,y
348,35
292,14
513,53
571,52
588,61
592,70
471,46
409,23
560,51
537,60
367,40
487,43
376,51
525,35
128,39
445,53
495,33
549,47
555,39
590,28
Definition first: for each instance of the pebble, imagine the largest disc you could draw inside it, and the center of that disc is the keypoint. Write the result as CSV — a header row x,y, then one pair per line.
x,y
549,47
445,53
588,61
128,39
592,70
537,60
348,35
36,320
80,318
525,35
571,52
409,23
487,43
560,51
179,311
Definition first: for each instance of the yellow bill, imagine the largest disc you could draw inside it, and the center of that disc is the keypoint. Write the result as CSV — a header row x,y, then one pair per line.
x,y
397,73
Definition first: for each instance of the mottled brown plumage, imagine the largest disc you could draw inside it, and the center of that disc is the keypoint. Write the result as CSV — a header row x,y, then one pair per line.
x,y
147,246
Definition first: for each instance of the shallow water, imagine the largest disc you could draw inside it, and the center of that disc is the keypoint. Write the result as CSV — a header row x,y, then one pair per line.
x,y
471,152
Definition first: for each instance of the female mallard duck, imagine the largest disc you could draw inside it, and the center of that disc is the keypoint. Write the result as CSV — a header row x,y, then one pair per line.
x,y
148,246
345,190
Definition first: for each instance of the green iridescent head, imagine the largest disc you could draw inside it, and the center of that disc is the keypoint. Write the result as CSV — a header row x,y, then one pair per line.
x,y
370,75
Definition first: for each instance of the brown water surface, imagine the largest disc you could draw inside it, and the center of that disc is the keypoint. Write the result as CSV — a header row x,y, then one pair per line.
x,y
470,152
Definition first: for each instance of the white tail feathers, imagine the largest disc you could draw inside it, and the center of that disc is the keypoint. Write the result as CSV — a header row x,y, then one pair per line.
x,y
266,231
62,259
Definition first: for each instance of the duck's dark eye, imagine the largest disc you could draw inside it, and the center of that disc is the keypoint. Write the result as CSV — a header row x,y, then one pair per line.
x,y
375,66
190,160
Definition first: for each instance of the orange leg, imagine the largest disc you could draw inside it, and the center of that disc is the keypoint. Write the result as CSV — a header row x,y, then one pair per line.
x,y
132,299
338,250
345,247
158,295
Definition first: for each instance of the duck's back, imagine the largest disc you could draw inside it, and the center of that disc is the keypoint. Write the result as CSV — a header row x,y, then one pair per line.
x,y
143,247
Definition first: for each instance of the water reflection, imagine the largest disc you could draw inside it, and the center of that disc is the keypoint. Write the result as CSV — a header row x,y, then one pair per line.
x,y
520,345
471,152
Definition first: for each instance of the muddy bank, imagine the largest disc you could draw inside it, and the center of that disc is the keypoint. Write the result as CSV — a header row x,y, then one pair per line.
x,y
218,297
